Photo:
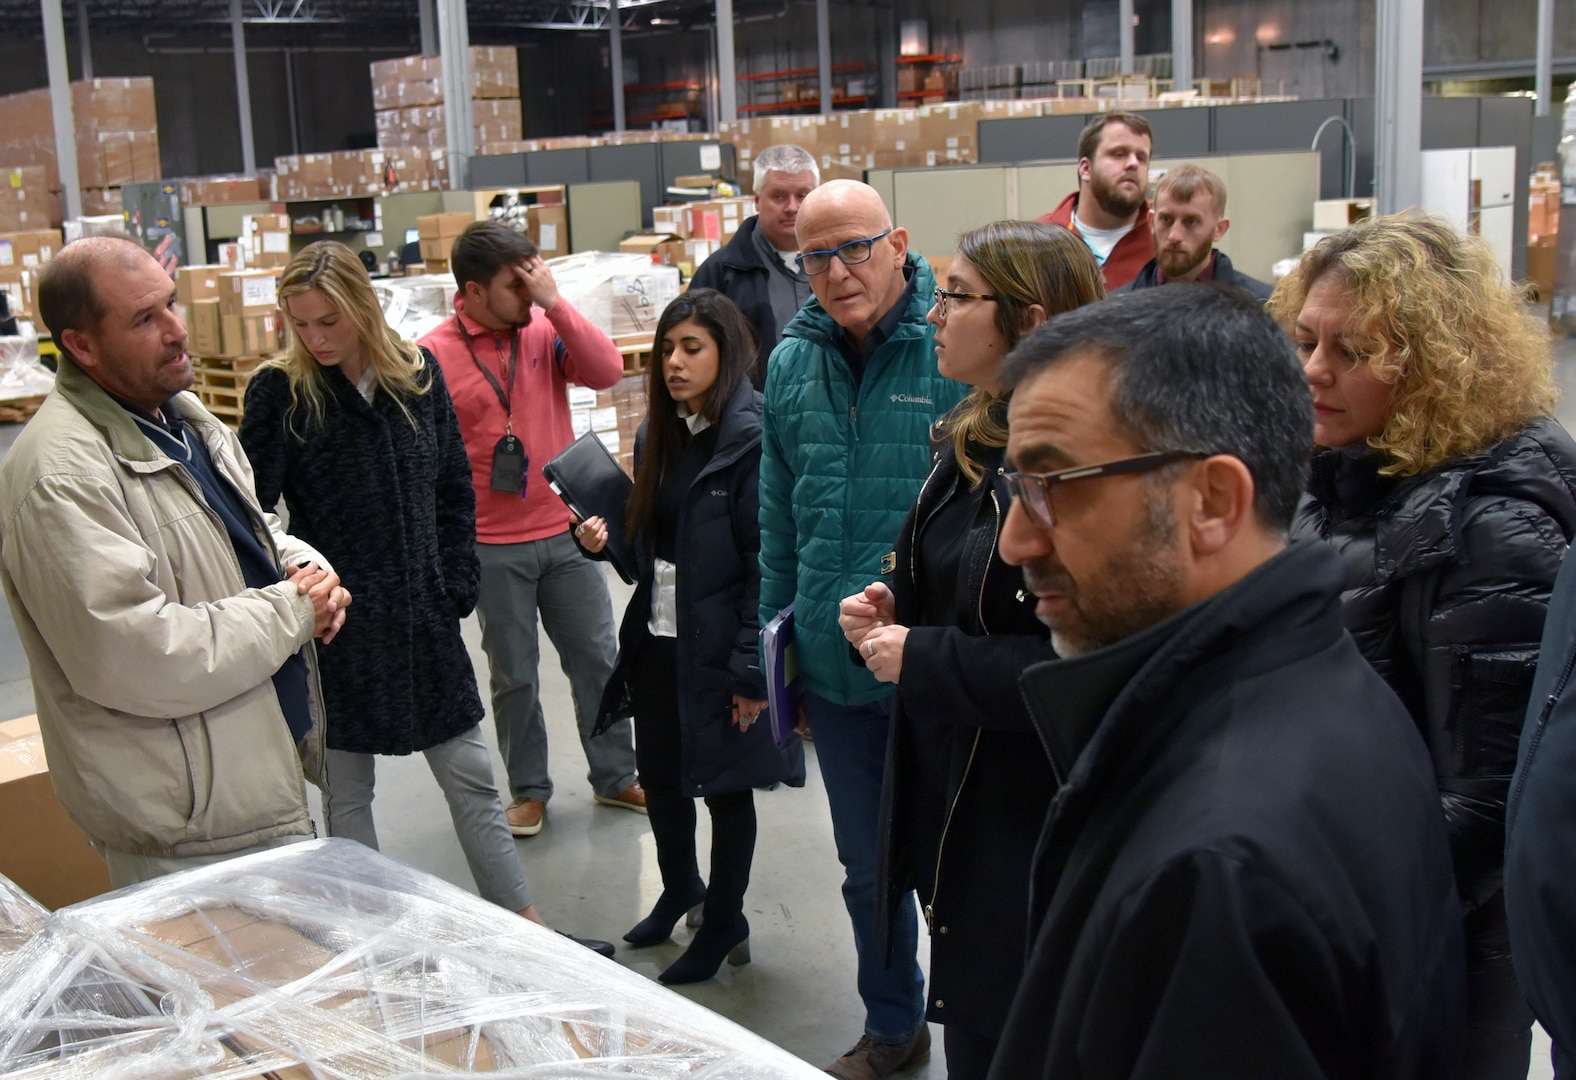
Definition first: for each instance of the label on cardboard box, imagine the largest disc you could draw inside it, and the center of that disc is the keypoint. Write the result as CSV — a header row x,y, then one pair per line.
x,y
604,419
276,243
259,291
7,253
549,234
582,397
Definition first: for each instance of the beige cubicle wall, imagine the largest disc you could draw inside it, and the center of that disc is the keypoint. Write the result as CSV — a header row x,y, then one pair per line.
x,y
1270,201
602,214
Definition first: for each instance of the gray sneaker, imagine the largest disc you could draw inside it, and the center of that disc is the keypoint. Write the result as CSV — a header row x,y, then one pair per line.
x,y
870,1060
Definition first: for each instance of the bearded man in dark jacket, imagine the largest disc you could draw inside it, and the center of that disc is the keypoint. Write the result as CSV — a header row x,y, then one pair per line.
x,y
759,270
1244,872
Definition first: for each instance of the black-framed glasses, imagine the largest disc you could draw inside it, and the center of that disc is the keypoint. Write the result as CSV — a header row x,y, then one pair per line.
x,y
941,296
1033,490
852,253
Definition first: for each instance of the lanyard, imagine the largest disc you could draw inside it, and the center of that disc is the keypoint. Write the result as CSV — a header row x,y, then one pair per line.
x,y
506,399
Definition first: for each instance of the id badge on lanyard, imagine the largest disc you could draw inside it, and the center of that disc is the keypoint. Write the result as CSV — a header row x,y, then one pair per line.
x,y
510,464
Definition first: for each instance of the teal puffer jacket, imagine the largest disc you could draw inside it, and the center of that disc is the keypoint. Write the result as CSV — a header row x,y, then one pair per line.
x,y
840,468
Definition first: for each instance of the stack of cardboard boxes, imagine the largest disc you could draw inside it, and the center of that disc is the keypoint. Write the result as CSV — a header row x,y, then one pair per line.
x,y
224,189
233,326
614,414
25,199
22,255
117,140
891,138
686,236
1543,227
438,232
356,173
408,95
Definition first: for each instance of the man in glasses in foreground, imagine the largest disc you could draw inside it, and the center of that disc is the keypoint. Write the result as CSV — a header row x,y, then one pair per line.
x,y
851,392
1245,871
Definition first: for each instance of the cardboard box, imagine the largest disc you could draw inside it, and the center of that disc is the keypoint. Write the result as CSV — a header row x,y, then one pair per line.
x,y
28,249
204,328
1332,215
102,202
495,71
18,288
251,335
548,228
194,283
114,105
664,248
248,292
25,199
437,232
221,190
44,853
718,219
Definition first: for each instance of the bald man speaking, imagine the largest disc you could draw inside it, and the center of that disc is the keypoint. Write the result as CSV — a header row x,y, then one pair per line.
x,y
851,392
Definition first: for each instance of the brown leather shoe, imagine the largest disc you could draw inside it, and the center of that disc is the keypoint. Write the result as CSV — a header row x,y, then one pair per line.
x,y
870,1060
526,816
631,798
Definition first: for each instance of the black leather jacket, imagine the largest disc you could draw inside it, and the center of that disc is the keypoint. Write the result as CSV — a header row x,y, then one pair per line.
x,y
1448,578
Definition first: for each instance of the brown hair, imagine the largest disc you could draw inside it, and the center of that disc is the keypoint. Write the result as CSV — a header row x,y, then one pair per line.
x,y
66,297
1434,317
1089,138
485,248
1024,263
1186,181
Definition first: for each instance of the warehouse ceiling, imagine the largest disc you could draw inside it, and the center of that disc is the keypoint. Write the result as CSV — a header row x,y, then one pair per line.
x,y
491,21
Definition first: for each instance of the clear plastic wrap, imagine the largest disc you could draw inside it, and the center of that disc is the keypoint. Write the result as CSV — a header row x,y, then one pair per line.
x,y
414,305
21,918
618,292
328,960
22,373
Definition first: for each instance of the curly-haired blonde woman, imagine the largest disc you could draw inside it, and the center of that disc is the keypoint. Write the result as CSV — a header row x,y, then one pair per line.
x,y
1451,492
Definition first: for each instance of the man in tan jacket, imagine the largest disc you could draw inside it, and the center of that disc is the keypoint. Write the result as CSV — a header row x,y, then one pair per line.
x,y
168,623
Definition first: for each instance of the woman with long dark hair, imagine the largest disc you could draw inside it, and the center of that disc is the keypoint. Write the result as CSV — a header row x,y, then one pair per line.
x,y
967,781
687,665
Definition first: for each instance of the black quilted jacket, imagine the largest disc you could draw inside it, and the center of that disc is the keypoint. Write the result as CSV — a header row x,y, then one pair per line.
x,y
1448,578
390,504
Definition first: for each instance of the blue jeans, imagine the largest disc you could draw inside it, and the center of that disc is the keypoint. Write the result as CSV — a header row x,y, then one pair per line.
x,y
850,744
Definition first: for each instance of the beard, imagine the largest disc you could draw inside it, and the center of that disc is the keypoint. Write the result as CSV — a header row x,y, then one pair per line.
x,y
1138,585
1178,264
1114,200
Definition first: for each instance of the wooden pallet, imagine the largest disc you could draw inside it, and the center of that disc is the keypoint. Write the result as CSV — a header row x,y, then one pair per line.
x,y
19,410
637,349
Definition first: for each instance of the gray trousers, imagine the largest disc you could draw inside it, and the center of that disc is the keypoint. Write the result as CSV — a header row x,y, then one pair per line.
x,y
550,578
463,768
126,868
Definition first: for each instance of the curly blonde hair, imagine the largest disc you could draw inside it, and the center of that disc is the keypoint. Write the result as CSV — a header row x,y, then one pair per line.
x,y
1433,317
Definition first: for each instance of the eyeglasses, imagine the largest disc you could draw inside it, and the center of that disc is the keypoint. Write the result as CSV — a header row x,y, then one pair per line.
x,y
813,263
1033,490
941,296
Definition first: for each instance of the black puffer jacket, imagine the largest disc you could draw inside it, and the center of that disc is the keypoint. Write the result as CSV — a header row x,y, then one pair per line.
x,y
390,503
968,781
1448,578
718,585
740,273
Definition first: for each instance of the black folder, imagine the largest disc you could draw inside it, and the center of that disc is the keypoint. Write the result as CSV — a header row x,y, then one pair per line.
x,y
592,484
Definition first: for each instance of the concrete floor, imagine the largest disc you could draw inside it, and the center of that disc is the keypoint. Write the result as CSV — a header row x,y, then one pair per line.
x,y
593,868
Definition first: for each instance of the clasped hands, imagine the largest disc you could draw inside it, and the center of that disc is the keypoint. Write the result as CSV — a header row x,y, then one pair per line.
x,y
869,622
329,598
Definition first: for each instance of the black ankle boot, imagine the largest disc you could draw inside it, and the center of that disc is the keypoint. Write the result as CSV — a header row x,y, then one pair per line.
x,y
709,948
657,927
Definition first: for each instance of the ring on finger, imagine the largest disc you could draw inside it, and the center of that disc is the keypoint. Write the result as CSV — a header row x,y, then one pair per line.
x,y
870,649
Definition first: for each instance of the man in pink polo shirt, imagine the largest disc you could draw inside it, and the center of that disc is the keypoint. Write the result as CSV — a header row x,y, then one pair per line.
x,y
508,374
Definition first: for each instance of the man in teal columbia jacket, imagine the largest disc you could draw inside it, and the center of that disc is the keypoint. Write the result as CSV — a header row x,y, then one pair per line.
x,y
851,393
